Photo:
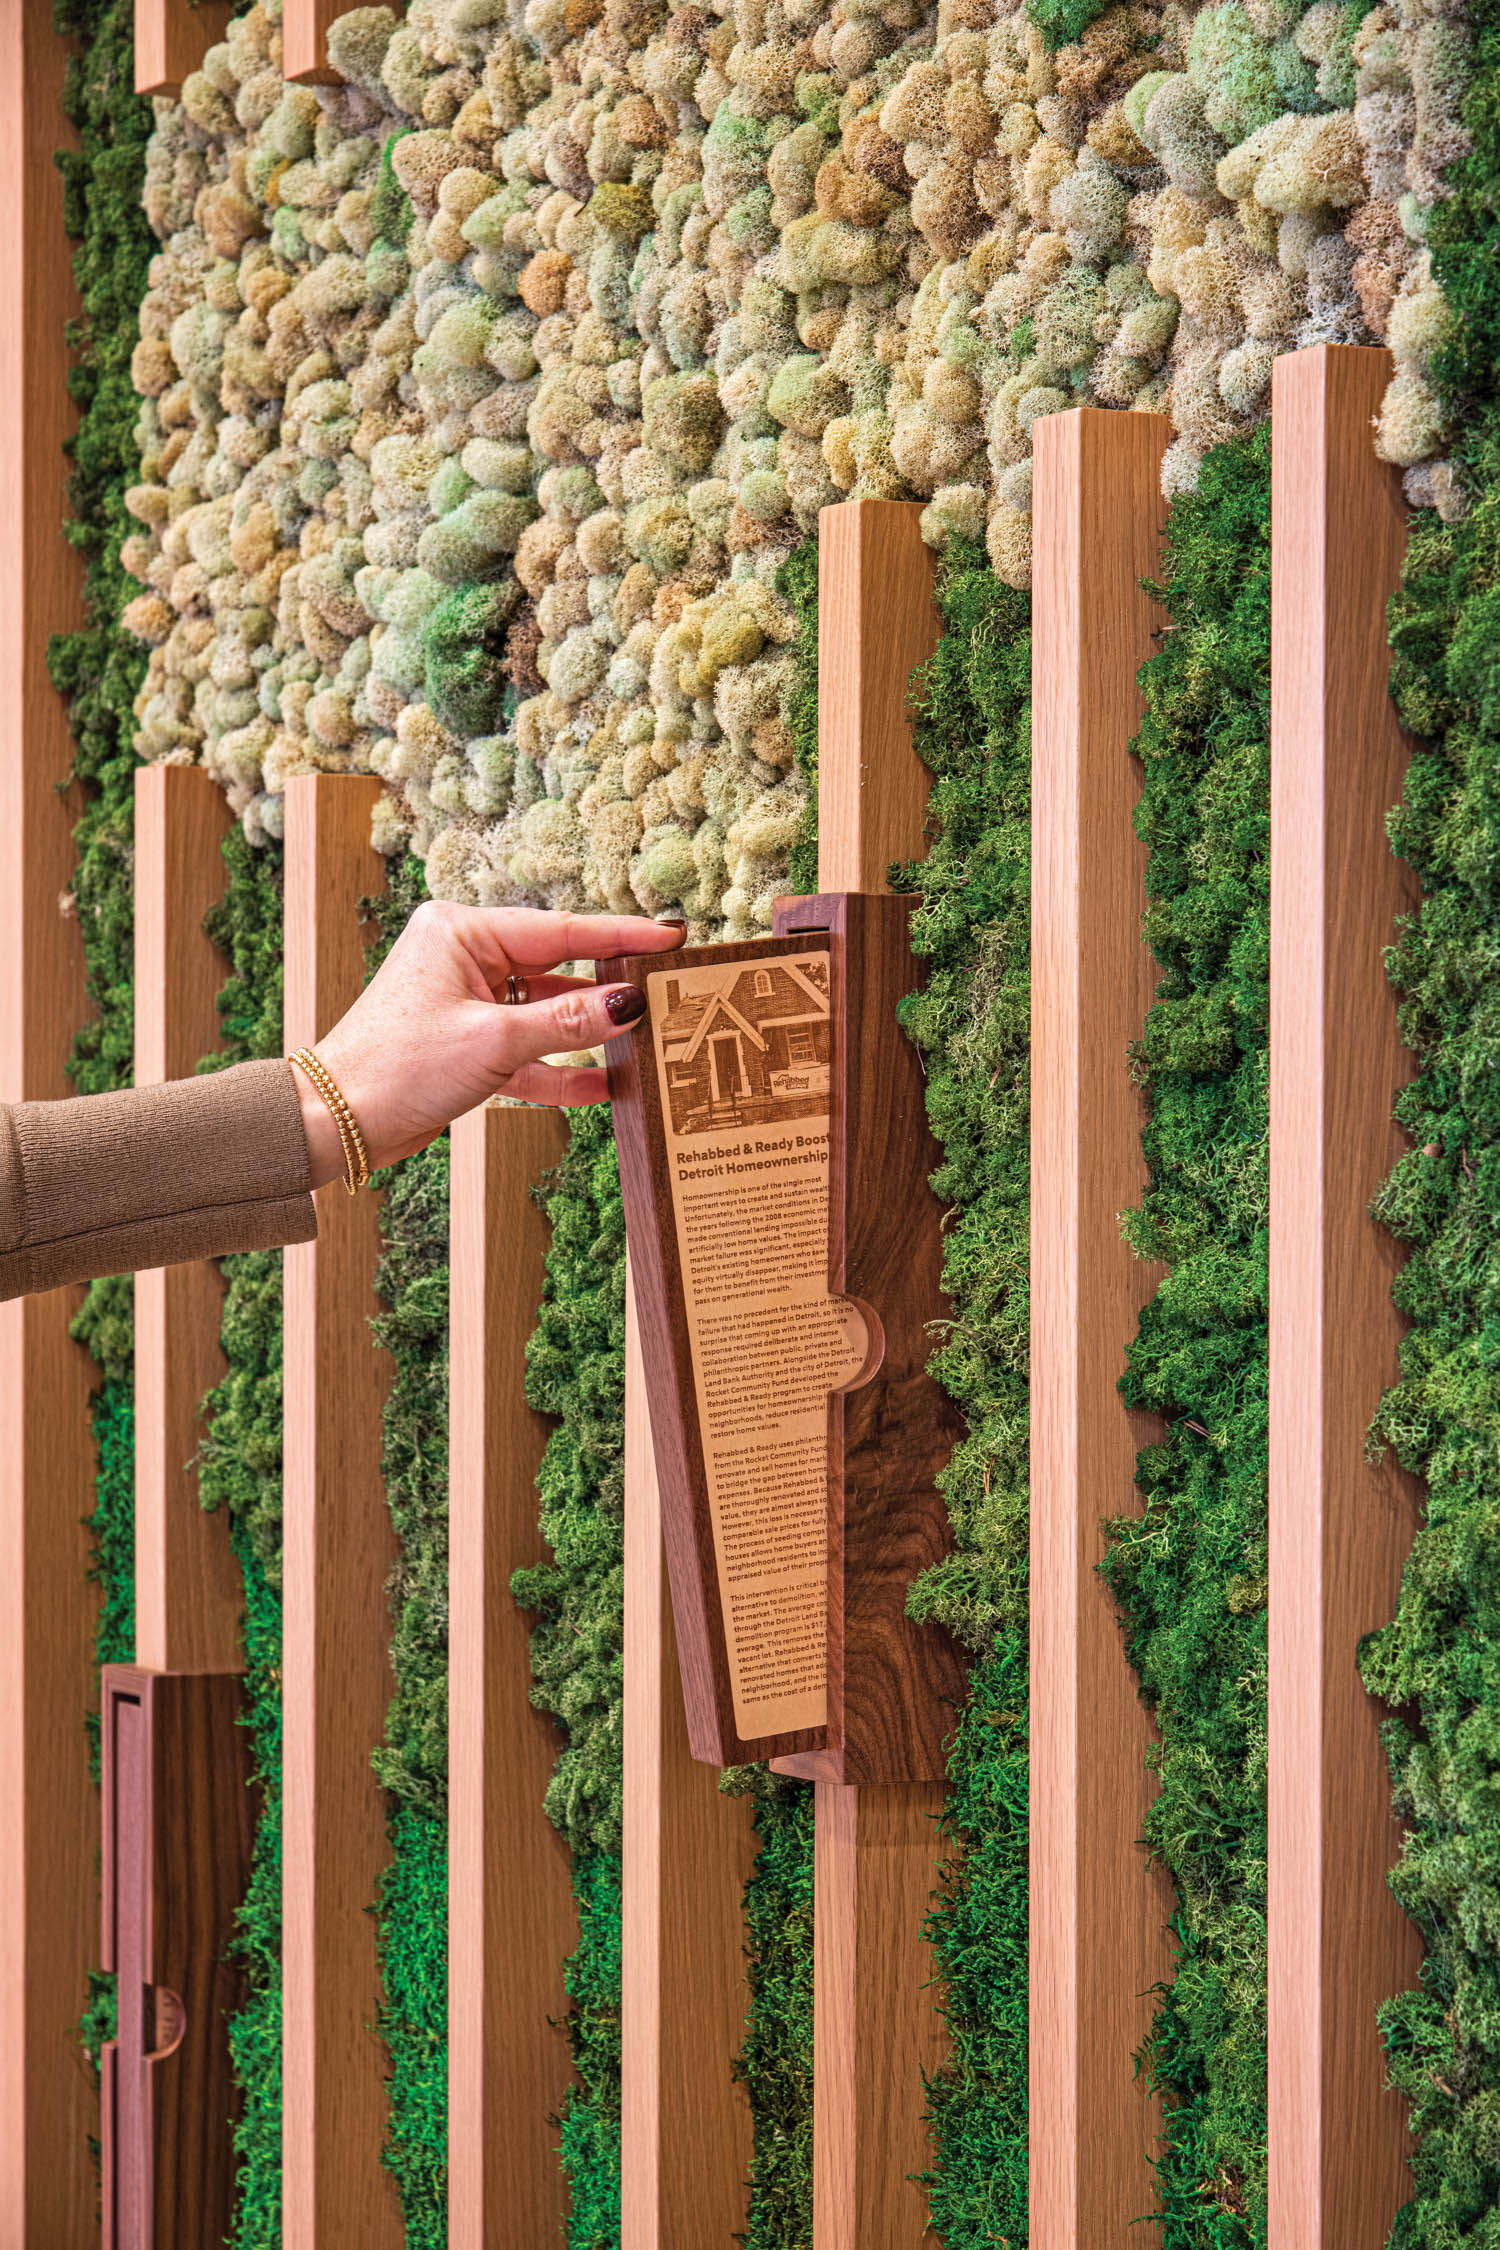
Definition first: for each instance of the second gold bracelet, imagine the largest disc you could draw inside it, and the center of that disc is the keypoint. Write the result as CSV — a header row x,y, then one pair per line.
x,y
351,1140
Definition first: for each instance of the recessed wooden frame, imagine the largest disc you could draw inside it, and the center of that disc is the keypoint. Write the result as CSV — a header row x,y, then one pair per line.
x,y
305,25
1341,1525
177,1836
339,1548
1098,1912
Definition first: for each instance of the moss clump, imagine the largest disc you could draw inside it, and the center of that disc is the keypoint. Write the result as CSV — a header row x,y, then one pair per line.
x,y
463,653
1190,1575
1435,1663
240,1471
972,1021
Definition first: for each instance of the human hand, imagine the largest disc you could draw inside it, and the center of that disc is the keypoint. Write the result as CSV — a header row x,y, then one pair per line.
x,y
431,1036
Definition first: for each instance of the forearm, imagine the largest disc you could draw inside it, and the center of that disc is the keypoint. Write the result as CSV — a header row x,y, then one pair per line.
x,y
110,1183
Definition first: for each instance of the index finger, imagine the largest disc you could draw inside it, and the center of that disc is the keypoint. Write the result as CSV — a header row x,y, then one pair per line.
x,y
537,939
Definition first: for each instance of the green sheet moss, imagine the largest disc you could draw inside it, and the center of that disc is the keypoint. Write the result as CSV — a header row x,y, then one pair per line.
x,y
412,1762
775,2064
1190,1575
1436,1662
971,1022
797,580
576,1372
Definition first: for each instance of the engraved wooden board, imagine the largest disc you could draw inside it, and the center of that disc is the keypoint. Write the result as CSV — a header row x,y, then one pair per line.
x,y
734,1103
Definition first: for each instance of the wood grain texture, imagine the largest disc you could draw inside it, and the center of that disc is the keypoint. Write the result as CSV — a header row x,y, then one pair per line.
x,y
187,1583
511,1920
304,41
178,1822
1098,1913
876,2034
171,39
892,1684
49,1839
339,1548
876,622
1340,1526
685,2122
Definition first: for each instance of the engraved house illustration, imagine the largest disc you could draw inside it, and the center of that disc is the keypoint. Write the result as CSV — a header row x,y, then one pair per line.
x,y
747,1045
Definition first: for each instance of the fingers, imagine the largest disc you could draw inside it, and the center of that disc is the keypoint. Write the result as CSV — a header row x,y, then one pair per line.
x,y
582,1015
506,938
558,1085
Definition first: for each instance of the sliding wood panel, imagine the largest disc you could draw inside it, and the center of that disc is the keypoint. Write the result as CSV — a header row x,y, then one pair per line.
x,y
1340,1524
339,1548
49,1839
171,39
187,1583
685,2122
511,1921
1098,1931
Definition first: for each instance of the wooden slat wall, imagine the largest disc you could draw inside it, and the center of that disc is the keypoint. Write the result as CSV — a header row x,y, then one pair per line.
x,y
511,1921
304,40
49,1839
1340,1527
876,2031
339,1548
685,2123
187,1583
171,39
1098,1914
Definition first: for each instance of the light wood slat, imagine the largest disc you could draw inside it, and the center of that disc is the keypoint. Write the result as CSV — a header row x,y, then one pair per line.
x,y
511,1921
304,40
1098,1938
187,1583
49,1839
876,623
685,2123
171,39
339,1548
1340,1527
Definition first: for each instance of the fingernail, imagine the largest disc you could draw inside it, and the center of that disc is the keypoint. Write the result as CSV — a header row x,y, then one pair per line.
x,y
625,1004
672,921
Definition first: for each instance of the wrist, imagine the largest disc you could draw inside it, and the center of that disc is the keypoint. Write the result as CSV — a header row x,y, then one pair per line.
x,y
325,1150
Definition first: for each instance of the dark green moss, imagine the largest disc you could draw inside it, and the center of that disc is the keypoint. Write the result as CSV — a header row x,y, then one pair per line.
x,y
391,211
1190,1575
971,1021
797,582
775,2063
463,654
576,1372
412,1762
1436,1663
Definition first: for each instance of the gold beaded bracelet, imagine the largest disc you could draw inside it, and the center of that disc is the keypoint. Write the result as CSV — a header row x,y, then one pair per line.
x,y
351,1140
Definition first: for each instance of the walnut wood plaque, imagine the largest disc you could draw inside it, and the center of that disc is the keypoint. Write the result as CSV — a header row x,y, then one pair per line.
x,y
770,1123
177,1829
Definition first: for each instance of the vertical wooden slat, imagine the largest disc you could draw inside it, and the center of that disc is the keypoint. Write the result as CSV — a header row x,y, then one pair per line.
x,y
511,1921
1098,1915
50,1835
171,39
187,1587
685,2124
1340,1525
876,2031
338,1552
304,41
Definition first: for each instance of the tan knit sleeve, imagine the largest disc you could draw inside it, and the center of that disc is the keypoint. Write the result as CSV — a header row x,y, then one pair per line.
x,y
113,1183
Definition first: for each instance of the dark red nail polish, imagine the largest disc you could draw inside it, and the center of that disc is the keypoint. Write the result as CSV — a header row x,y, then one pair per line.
x,y
625,1004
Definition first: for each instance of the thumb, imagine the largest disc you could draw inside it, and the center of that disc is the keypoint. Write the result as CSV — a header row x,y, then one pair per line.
x,y
584,1017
